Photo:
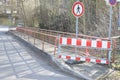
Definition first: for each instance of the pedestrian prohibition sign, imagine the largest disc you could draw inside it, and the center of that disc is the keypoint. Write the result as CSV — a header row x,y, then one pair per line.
x,y
112,2
78,9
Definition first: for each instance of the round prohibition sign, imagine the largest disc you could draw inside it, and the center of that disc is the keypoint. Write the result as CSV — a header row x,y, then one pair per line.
x,y
78,9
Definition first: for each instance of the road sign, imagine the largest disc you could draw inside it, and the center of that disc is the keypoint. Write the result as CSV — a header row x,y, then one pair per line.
x,y
118,0
78,9
112,2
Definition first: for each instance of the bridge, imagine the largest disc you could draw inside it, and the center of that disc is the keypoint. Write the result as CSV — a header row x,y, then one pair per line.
x,y
18,61
38,54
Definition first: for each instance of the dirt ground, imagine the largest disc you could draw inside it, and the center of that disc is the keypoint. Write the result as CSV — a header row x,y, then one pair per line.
x,y
115,75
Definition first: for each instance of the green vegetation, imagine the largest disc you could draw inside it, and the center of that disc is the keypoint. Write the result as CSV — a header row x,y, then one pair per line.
x,y
116,64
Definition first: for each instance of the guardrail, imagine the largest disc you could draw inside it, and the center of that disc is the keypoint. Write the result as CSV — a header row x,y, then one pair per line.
x,y
64,34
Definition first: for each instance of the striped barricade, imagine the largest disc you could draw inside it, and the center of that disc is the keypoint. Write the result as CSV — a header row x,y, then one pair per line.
x,y
86,59
102,44
83,44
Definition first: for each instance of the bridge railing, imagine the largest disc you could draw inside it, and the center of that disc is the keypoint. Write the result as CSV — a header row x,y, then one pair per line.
x,y
85,46
85,49
64,34
44,38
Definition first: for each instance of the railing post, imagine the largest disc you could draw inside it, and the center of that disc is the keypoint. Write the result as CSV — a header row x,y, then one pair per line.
x,y
24,33
43,42
34,37
55,45
21,35
28,35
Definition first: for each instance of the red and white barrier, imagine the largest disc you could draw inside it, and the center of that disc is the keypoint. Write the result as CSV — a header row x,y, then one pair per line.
x,y
86,59
103,44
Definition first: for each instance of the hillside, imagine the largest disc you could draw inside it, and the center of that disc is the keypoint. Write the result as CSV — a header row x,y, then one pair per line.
x,y
56,15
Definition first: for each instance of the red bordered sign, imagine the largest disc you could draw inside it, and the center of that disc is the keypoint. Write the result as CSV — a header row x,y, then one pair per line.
x,y
78,9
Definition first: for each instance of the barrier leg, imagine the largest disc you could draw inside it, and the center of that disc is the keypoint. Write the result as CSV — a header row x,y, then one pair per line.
x,y
59,47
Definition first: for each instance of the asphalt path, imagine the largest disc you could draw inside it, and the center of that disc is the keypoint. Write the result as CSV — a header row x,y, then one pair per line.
x,y
19,62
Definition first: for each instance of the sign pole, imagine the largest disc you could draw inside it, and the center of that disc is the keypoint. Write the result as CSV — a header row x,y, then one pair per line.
x,y
109,34
76,31
119,19
76,27
77,10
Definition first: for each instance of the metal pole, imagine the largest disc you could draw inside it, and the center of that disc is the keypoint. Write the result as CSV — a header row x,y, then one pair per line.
x,y
109,35
110,24
76,31
76,27
119,19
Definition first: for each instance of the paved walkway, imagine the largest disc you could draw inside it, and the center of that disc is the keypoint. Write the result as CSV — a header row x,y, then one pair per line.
x,y
90,70
18,62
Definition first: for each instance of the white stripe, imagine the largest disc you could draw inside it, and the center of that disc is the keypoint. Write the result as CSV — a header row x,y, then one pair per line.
x,y
73,58
12,28
4,29
92,60
83,42
103,61
64,41
104,44
82,59
62,56
74,41
94,42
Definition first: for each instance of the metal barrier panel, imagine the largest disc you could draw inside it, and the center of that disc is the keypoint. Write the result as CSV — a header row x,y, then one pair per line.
x,y
87,50
85,43
86,59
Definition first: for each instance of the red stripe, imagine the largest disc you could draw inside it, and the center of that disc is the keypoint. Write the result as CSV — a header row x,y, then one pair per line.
x,y
108,44
98,61
68,57
60,56
87,59
99,44
78,42
17,28
69,41
60,40
78,58
89,43
107,62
